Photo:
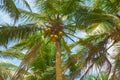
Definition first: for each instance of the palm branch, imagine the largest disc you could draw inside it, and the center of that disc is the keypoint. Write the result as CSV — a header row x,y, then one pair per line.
x,y
6,70
8,32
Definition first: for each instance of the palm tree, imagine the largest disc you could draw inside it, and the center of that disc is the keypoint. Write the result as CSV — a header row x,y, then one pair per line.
x,y
58,18
51,16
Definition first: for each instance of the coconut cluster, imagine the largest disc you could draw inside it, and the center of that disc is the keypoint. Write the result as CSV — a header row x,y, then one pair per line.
x,y
54,33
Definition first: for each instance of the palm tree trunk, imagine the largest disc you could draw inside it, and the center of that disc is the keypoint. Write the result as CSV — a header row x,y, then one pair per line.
x,y
59,75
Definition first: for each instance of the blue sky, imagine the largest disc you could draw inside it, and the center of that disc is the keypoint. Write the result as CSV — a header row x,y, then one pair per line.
x,y
4,18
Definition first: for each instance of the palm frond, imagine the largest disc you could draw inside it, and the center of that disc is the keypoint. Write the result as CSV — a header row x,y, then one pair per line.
x,y
6,69
25,64
28,16
16,32
69,7
44,65
104,12
31,41
33,76
12,53
58,7
109,6
85,17
8,65
49,74
98,28
48,6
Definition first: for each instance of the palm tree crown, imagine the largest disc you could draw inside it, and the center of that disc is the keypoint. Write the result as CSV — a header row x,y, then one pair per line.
x,y
51,25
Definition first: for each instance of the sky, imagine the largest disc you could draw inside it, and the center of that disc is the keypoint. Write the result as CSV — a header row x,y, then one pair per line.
x,y
4,18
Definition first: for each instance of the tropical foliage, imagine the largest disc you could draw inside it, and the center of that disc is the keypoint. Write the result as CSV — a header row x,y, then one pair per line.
x,y
6,70
48,36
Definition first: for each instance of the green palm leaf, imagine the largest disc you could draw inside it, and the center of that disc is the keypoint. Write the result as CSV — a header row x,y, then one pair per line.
x,y
29,17
12,53
16,32
6,69
87,17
